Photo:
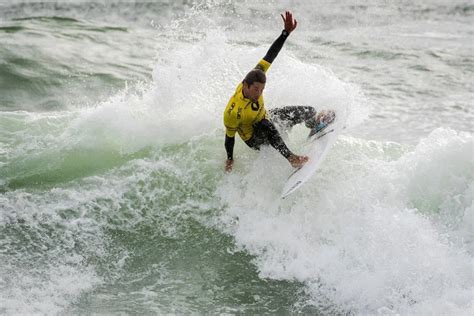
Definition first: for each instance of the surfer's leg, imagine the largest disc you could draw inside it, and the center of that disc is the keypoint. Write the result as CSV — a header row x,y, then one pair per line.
x,y
289,116
265,132
255,141
259,136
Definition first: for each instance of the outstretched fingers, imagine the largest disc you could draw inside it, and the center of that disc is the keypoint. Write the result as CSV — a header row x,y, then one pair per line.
x,y
290,23
287,17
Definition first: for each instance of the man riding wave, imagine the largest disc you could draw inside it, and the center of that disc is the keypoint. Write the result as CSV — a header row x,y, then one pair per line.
x,y
246,115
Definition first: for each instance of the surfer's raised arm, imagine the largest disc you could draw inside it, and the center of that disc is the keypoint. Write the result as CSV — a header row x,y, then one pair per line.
x,y
290,26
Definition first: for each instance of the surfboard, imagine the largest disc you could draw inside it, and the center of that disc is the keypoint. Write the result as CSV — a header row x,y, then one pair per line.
x,y
317,148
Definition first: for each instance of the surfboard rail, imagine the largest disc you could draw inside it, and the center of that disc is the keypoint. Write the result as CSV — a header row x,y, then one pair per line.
x,y
318,147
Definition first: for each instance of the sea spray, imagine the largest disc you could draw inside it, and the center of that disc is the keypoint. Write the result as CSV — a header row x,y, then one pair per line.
x,y
354,236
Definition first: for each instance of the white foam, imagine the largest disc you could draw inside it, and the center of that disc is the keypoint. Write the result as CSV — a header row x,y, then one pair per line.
x,y
44,290
63,228
355,235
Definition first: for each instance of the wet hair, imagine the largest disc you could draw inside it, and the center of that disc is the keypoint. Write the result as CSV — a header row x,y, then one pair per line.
x,y
255,75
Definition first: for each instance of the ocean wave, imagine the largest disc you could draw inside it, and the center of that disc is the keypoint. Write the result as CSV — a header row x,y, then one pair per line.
x,y
365,233
111,160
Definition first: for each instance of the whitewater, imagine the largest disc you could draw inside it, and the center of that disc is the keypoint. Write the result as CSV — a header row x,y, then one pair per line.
x,y
113,195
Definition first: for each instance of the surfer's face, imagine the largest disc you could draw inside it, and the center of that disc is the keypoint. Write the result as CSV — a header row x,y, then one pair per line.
x,y
254,91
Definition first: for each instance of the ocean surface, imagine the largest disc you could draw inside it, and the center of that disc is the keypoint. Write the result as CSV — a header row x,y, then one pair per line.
x,y
113,198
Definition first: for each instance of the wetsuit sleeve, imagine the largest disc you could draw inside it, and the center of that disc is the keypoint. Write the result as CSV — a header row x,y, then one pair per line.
x,y
229,147
276,47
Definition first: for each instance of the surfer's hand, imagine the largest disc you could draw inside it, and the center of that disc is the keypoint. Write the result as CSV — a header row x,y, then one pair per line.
x,y
297,161
290,24
228,165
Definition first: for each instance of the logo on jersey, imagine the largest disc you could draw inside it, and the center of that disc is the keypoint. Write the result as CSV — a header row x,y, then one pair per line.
x,y
238,113
231,108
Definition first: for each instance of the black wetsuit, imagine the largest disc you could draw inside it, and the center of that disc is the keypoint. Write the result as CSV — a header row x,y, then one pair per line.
x,y
265,132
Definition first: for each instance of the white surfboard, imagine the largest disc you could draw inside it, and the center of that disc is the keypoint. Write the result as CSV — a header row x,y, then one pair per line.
x,y
318,147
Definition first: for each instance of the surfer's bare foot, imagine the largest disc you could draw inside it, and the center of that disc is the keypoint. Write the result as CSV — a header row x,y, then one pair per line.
x,y
298,161
228,165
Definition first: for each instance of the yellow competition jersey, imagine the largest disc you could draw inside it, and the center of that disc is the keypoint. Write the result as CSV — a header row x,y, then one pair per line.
x,y
241,114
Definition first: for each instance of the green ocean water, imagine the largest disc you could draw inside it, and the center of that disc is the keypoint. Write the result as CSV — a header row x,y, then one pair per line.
x,y
113,198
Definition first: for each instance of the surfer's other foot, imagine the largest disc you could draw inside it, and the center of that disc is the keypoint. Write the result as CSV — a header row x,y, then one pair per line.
x,y
323,119
297,161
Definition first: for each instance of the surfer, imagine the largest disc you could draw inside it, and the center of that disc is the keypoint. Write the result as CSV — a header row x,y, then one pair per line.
x,y
245,113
